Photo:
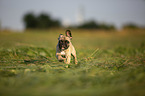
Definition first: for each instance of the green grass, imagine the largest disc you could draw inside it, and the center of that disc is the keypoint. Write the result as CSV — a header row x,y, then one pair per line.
x,y
109,64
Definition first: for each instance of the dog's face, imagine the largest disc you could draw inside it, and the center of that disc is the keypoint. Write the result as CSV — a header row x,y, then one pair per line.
x,y
63,44
64,41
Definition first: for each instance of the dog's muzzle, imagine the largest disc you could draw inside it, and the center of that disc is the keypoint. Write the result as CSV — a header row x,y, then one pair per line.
x,y
63,44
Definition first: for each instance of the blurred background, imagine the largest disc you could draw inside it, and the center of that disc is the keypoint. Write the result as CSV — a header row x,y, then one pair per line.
x,y
88,14
108,35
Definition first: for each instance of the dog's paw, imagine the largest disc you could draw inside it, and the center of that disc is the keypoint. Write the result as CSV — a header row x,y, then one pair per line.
x,y
76,62
67,66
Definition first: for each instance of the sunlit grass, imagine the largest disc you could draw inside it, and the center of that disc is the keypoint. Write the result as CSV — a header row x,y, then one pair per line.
x,y
109,63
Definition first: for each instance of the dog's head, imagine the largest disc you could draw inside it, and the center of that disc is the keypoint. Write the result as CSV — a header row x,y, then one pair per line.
x,y
64,41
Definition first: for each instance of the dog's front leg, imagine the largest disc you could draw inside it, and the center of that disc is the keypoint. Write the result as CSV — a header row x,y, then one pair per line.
x,y
68,58
74,55
60,58
75,58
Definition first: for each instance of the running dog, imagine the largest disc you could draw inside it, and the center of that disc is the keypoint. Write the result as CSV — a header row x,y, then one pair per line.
x,y
65,49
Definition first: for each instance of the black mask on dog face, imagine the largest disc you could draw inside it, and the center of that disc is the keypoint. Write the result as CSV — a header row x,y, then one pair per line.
x,y
63,44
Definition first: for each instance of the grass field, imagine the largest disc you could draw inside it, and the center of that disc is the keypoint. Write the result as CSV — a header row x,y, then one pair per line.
x,y
110,63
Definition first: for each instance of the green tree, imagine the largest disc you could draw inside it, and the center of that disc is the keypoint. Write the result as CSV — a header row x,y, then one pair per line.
x,y
89,25
130,26
42,21
93,25
30,21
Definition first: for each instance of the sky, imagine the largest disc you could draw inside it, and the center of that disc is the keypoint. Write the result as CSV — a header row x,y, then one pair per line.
x,y
116,12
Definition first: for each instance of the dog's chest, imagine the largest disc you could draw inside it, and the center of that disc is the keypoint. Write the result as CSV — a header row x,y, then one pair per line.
x,y
62,53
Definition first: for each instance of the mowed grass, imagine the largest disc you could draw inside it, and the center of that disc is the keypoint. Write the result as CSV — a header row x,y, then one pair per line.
x,y
110,63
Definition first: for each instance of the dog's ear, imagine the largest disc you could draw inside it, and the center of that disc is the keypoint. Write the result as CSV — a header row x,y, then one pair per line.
x,y
68,34
60,36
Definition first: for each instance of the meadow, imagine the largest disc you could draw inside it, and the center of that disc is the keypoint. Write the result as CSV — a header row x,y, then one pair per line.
x,y
110,63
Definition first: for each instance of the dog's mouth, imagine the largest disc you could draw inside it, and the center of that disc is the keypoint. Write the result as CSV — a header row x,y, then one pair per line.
x,y
63,44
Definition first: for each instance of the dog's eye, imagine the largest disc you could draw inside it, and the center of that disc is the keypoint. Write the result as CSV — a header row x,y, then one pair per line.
x,y
60,41
67,42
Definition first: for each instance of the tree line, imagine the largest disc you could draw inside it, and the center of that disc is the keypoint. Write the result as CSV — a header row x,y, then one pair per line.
x,y
42,21
45,21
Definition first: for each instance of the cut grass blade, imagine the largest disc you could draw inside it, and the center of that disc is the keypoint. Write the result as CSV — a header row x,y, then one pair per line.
x,y
94,52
